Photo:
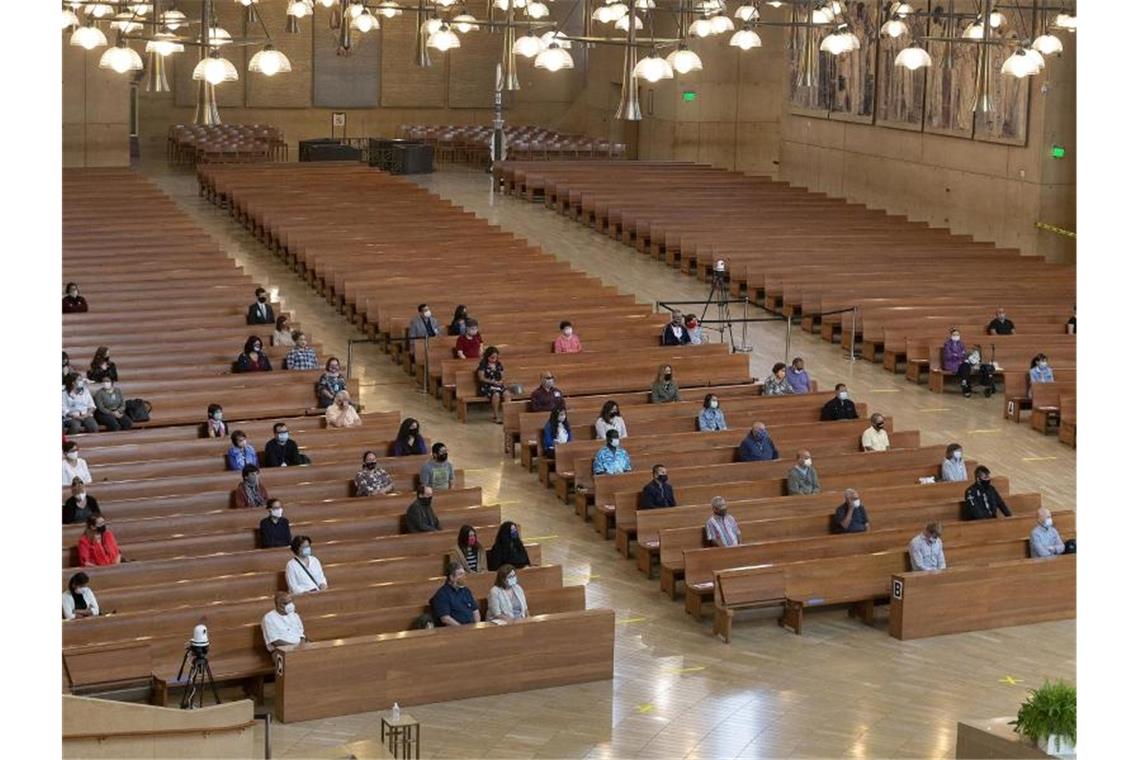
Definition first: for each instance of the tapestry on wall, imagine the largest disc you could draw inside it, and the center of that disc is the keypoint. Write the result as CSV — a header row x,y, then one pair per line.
x,y
900,93
810,69
1006,121
851,95
344,81
952,79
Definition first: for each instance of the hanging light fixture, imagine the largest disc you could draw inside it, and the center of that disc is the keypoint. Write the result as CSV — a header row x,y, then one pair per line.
x,y
841,41
120,58
555,38
554,58
528,46
746,12
219,36
537,10
125,23
88,37
327,3
653,68
390,9
1020,65
745,39
997,20
975,31
775,3
1048,44
430,27
100,10
913,58
644,5
622,24
294,12
721,24
70,20
702,27
1066,21
174,20
684,60
215,70
822,16
445,3
365,22
894,29
464,23
902,10
269,61
443,39
164,44
355,9
141,9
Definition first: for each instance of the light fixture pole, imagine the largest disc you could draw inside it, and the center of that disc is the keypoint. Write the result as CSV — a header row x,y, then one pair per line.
x,y
629,105
498,137
206,107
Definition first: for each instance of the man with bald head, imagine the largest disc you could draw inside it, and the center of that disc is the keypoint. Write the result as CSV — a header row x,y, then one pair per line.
x,y
802,478
1044,540
758,446
721,528
850,516
282,626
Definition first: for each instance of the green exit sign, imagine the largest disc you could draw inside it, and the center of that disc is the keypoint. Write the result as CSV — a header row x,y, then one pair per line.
x,y
688,96
1058,151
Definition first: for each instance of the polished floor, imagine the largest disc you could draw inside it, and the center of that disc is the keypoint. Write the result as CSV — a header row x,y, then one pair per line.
x,y
842,689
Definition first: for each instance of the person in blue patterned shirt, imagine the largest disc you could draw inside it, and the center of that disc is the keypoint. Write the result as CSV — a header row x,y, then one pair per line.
x,y
612,458
301,356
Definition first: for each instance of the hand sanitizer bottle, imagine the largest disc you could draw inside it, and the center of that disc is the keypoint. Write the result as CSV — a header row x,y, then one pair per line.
x,y
395,712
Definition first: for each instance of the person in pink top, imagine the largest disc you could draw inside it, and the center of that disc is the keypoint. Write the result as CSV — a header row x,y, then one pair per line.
x,y
568,342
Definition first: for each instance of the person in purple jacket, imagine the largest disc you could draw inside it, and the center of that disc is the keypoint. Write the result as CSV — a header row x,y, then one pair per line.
x,y
798,377
957,361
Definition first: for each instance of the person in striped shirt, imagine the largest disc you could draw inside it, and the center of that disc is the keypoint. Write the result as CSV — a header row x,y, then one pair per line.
x,y
721,528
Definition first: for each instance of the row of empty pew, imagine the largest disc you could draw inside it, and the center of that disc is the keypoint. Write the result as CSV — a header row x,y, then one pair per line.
x,y
470,144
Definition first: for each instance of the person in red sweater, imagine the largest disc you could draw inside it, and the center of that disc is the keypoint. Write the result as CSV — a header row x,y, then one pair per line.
x,y
469,345
97,545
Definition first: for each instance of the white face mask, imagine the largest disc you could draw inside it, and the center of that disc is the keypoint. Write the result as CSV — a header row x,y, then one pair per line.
x,y
857,503
807,462
1048,522
73,455
512,581
290,608
955,338
958,455
714,404
306,551
427,313
277,512
842,395
81,497
106,386
568,331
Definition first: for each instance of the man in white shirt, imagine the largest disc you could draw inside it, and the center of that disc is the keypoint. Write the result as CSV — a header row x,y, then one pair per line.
x,y
282,625
875,438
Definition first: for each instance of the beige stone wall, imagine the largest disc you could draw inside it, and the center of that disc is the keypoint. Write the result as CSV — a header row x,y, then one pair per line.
x,y
96,104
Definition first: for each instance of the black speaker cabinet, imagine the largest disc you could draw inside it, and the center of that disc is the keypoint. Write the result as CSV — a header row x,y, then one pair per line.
x,y
326,149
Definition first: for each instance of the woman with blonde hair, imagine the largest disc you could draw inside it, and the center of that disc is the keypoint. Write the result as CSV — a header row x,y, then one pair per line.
x,y
341,412
664,388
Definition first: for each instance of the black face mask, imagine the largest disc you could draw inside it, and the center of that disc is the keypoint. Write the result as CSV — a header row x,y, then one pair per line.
x,y
101,529
425,501
262,299
668,376
370,465
441,457
662,478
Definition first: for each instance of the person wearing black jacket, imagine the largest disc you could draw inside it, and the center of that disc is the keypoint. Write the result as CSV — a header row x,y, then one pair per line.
x,y
80,505
675,333
840,407
420,517
261,311
983,500
508,548
274,528
657,493
281,451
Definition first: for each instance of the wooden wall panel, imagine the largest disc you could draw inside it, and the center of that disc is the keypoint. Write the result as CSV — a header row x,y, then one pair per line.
x,y
407,85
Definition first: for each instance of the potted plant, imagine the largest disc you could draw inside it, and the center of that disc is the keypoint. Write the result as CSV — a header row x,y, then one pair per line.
x,y
1049,718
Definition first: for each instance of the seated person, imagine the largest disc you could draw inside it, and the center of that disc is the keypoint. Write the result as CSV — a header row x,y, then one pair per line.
x,y
342,412
875,437
281,450
506,601
610,419
215,426
508,548
437,472
489,378
250,493
78,601
711,417
409,442
798,377
468,552
1071,325
252,359
983,501
693,328
954,465
675,333
110,406
459,319
260,312
303,573
926,549
420,517
546,397
657,493
1044,540
961,363
97,545
331,383
568,341
850,516
721,528
555,432
469,345
282,626
1000,325
78,407
73,465
301,355
1039,370
802,478
839,408
80,505
371,480
423,325
758,445
454,604
273,531
102,366
777,383
985,371
664,390
73,303
612,458
283,334
240,452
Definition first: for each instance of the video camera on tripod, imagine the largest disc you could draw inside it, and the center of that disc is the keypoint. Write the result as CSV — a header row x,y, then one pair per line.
x,y
197,651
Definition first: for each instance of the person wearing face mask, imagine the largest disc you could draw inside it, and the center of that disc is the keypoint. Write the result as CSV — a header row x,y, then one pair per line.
x,y
260,311
273,530
798,377
983,501
240,452
851,515
1071,325
423,325
556,431
282,626
657,493
252,358
875,438
458,324
1044,540
102,366
409,442
803,480
250,493
282,335
420,517
721,528
281,450
1039,370
437,472
611,458
508,548
610,419
372,480
926,549
74,466
954,361
78,406
303,572
675,333
454,604
839,408
469,345
546,397
1000,324
693,328
110,406
78,601
664,389
97,545
568,341
489,377
468,552
330,384
758,445
301,356
67,368
215,426
73,303
506,601
342,412
954,465
777,383
711,417
80,505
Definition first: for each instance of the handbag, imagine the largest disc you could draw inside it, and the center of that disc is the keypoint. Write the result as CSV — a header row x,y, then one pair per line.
x,y
138,409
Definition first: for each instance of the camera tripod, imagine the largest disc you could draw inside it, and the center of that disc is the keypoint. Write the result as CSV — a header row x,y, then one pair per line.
x,y
719,292
200,674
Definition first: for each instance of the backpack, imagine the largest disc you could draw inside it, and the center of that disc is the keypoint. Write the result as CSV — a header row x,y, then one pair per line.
x,y
138,409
